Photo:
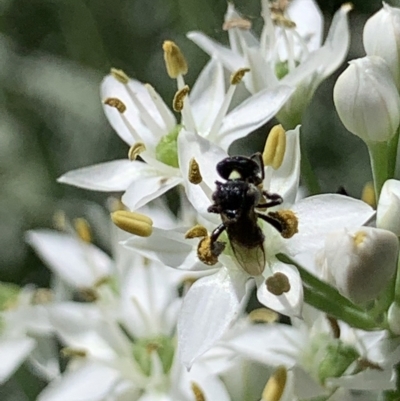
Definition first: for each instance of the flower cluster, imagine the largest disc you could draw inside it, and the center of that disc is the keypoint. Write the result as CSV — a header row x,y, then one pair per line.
x,y
167,316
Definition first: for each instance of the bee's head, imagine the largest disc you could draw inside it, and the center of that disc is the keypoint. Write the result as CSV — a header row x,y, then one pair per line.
x,y
240,168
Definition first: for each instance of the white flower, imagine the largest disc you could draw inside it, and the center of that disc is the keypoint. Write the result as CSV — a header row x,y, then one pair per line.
x,y
367,100
361,261
287,52
213,302
388,210
144,121
324,357
382,38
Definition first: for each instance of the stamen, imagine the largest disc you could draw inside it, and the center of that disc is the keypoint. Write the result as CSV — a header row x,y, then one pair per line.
x,y
83,230
288,221
114,204
237,76
68,352
116,103
275,147
133,223
196,232
240,23
277,284
280,20
359,238
102,281
135,150
179,98
198,392
208,251
263,315
368,194
194,174
174,59
88,294
165,113
275,386
119,75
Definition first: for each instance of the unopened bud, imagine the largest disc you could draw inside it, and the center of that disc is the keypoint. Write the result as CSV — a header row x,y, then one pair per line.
x,y
367,100
174,59
388,210
361,261
275,146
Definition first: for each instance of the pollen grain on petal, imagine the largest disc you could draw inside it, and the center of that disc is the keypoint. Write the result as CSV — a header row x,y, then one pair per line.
x,y
278,284
275,386
133,223
179,98
175,61
119,75
194,174
198,392
237,76
135,150
275,147
196,232
116,103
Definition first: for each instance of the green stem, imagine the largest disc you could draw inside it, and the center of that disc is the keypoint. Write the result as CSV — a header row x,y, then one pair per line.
x,y
378,153
392,154
310,180
352,317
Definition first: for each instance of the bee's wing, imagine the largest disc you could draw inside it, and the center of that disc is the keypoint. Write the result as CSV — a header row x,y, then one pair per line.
x,y
252,260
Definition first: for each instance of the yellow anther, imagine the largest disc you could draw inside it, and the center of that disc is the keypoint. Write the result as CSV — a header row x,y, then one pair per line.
x,y
68,352
42,296
277,284
281,20
275,386
119,75
196,232
368,194
133,223
347,6
237,76
198,392
206,253
174,59
194,174
288,220
240,23
135,150
359,238
102,281
82,228
116,103
275,147
263,315
59,220
88,294
179,98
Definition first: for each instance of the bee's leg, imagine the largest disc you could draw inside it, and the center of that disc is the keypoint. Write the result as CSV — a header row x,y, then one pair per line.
x,y
270,220
217,247
274,199
258,156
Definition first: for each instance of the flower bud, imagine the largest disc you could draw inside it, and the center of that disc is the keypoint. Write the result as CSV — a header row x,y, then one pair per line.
x,y
388,211
361,261
367,100
382,38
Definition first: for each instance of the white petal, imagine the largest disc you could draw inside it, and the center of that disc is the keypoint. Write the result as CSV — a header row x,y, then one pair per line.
x,y
91,382
309,21
12,353
112,176
76,262
289,303
148,187
252,113
318,215
285,180
228,58
210,306
207,95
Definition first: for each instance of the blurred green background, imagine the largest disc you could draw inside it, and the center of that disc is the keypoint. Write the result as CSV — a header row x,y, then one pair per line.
x,y
53,55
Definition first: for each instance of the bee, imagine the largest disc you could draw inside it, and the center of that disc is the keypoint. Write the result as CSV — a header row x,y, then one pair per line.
x,y
238,201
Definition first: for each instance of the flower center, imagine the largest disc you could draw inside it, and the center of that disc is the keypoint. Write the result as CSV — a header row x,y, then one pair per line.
x,y
167,148
164,347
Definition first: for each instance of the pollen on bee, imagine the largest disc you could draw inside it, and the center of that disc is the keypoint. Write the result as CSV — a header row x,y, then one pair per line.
x,y
288,220
208,251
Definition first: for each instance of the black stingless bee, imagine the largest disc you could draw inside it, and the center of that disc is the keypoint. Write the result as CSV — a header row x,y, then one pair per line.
x,y
237,201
